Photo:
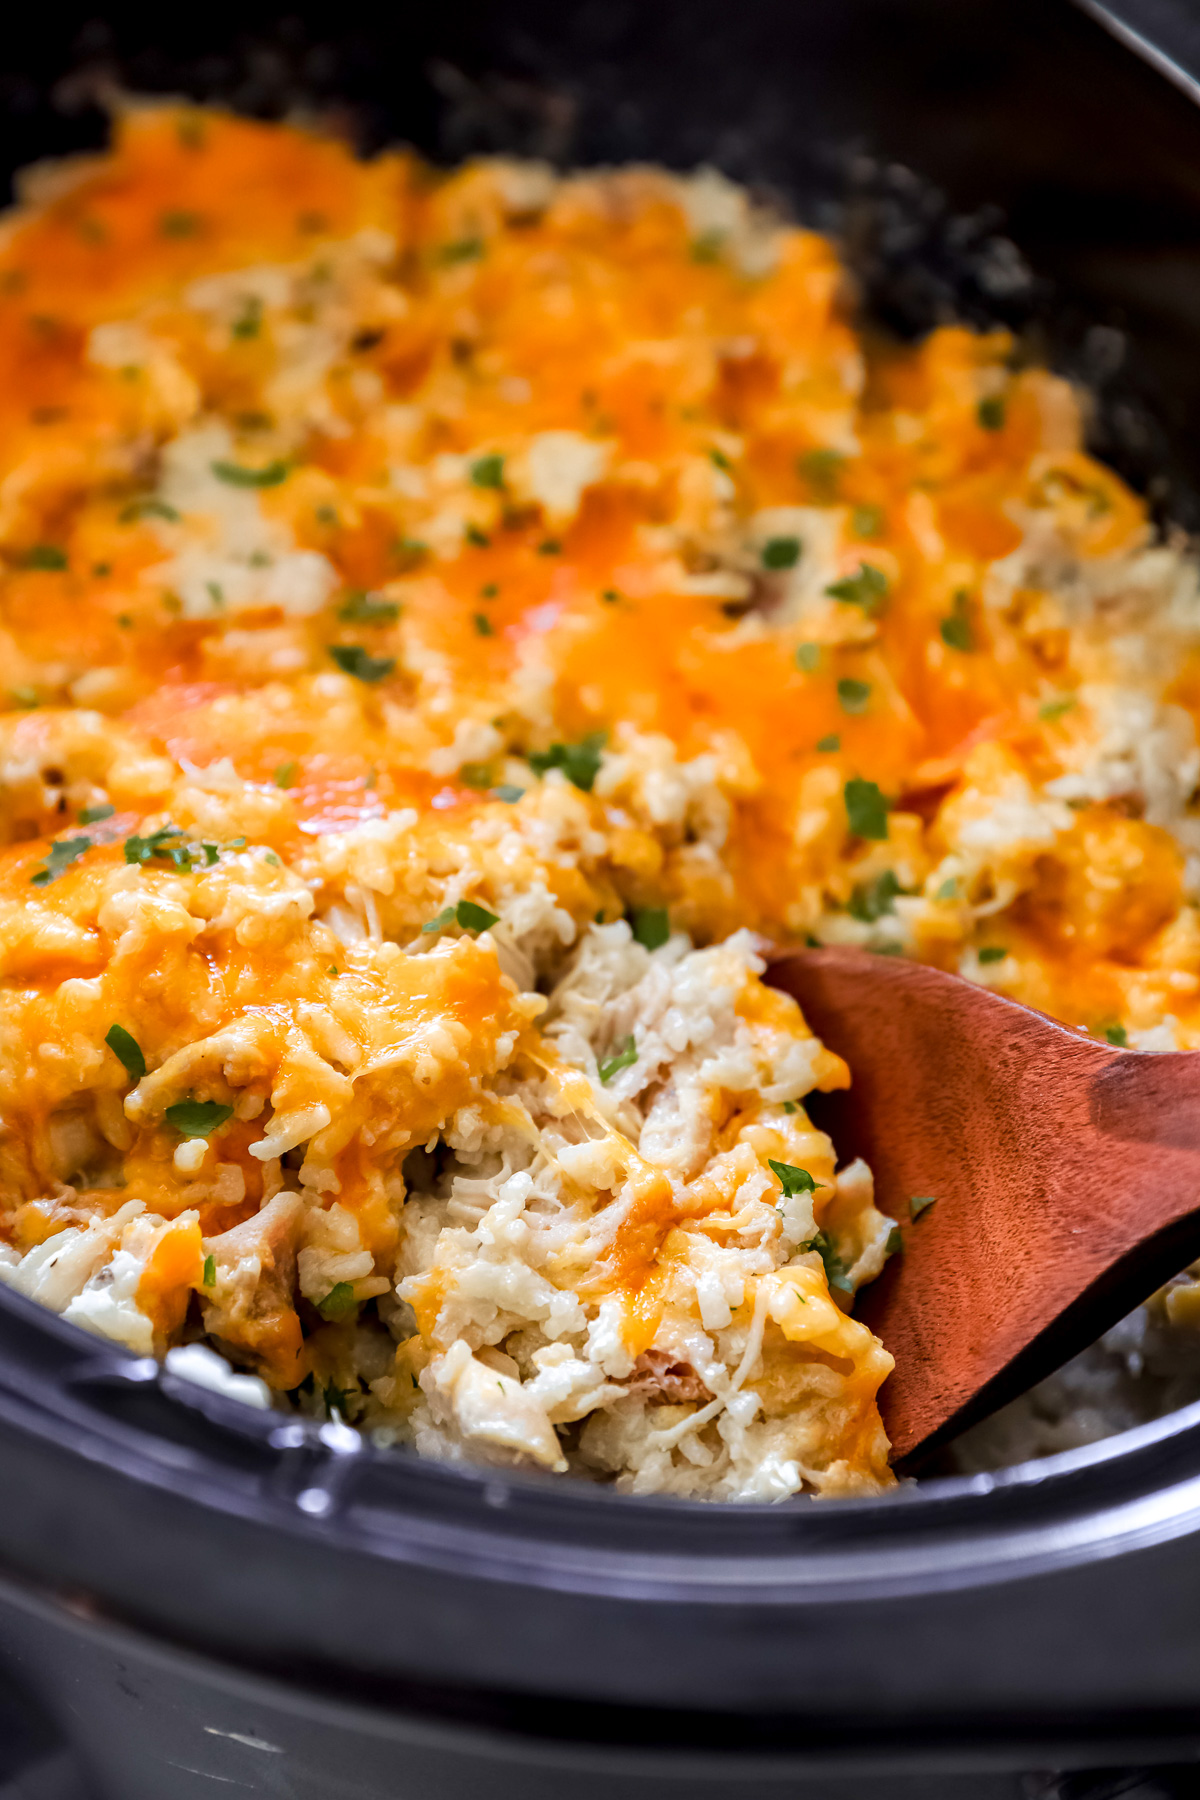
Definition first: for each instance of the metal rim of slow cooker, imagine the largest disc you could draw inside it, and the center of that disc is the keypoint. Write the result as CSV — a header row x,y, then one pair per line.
x,y
1140,1485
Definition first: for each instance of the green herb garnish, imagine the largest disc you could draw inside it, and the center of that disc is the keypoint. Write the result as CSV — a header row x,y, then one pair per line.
x,y
478,538
362,608
807,657
149,508
209,1277
59,857
1054,709
831,741
127,1050
867,521
580,763
821,469
248,323
872,899
92,815
338,1302
1117,1036
488,472
992,953
781,553
179,224
866,589
956,630
651,927
354,659
835,1269
895,1242
483,625
853,695
920,1203
461,250
507,792
991,413
866,809
625,1057
197,1118
467,913
791,1179
476,775
285,775
44,556
270,475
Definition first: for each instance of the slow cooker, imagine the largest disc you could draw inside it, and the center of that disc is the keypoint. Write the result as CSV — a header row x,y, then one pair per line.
x,y
196,1597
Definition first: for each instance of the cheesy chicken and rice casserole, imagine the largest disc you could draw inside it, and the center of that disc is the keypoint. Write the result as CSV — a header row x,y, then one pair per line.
x,y
450,625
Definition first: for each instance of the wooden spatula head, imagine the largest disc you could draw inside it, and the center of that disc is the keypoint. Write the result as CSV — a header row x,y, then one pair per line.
x,y
1065,1176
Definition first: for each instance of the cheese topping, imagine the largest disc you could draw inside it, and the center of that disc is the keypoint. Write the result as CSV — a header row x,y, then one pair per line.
x,y
449,624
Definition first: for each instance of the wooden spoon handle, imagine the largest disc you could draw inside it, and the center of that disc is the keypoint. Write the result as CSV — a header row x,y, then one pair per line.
x,y
1066,1177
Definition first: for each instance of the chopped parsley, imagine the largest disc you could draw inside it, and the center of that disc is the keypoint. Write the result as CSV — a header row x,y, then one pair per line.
x,y
948,890
488,472
867,521
248,323
483,625
866,589
853,695
549,547
92,815
285,775
625,1058
866,810
719,460
338,1302
822,470
476,775
361,608
1117,1036
467,913
1054,709
791,1179
28,697
829,743
166,844
270,475
507,792
489,590
44,556
580,763
707,247
197,1118
807,657
127,1050
895,1242
478,538
781,553
460,250
956,629
356,660
920,1203
835,1269
610,596
872,899
209,1277
59,857
179,224
651,927
991,413
789,1106
151,507
992,953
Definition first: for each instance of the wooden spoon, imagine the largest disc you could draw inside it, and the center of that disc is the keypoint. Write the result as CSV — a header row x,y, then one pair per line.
x,y
1065,1177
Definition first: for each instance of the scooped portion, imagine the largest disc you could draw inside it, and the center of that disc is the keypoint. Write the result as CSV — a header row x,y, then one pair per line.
x,y
450,626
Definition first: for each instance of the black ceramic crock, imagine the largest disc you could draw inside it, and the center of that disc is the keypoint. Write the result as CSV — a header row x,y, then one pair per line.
x,y
202,1598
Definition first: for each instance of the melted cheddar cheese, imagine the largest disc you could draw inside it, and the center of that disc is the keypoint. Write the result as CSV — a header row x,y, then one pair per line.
x,y
430,606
